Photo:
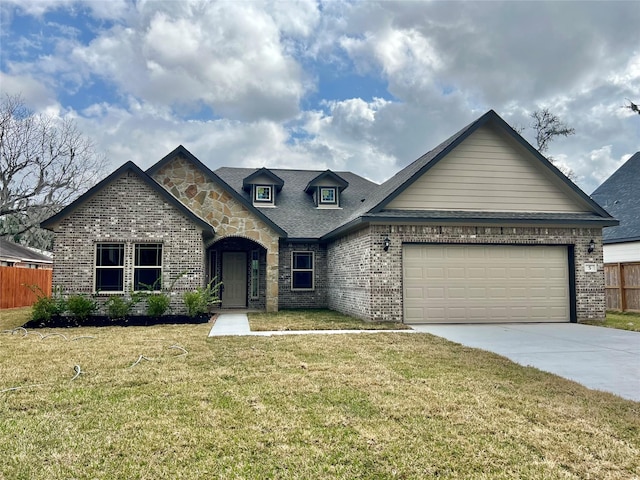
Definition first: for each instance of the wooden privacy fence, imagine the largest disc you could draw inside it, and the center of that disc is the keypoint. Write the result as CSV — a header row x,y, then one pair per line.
x,y
622,286
13,285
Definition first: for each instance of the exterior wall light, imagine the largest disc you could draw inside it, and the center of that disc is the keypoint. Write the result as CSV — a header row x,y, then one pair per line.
x,y
387,243
592,246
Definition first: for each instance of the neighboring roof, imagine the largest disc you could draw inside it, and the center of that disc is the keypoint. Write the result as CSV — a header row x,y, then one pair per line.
x,y
263,172
336,180
295,211
236,194
12,252
128,167
620,196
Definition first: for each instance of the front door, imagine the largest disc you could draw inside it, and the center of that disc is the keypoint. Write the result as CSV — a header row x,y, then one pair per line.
x,y
234,279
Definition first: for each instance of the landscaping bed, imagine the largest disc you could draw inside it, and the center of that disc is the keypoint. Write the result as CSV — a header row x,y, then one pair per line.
x,y
62,321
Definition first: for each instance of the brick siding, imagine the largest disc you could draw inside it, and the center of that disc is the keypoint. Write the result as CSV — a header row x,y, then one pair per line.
x,y
128,211
366,282
317,298
349,276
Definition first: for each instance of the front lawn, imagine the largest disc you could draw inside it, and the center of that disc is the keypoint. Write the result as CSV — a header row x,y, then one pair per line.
x,y
310,319
621,320
14,317
168,402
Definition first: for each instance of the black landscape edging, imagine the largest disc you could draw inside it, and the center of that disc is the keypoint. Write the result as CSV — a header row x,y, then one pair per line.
x,y
60,321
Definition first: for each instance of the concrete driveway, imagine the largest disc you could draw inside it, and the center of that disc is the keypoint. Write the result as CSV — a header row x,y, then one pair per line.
x,y
596,357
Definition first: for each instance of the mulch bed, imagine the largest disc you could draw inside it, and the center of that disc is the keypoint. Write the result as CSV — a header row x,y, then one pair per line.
x,y
104,321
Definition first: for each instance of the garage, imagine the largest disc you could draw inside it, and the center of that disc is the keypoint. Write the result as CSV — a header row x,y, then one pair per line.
x,y
485,283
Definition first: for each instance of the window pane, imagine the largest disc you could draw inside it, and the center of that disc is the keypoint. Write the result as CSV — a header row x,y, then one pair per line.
x,y
302,279
146,278
109,280
302,260
149,255
327,195
110,255
263,193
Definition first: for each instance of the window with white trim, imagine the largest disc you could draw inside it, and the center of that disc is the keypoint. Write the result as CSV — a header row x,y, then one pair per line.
x,y
263,193
328,196
147,266
302,271
109,275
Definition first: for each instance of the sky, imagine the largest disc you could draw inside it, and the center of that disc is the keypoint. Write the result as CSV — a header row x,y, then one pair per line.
x,y
364,86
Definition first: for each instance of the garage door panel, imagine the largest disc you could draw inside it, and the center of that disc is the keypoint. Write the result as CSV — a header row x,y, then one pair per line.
x,y
486,283
435,272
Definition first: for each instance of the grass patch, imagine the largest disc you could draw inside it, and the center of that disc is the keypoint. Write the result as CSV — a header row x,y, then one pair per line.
x,y
620,320
320,319
14,317
319,406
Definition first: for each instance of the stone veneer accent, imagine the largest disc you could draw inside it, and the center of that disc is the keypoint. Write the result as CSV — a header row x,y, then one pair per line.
x,y
229,217
366,282
128,211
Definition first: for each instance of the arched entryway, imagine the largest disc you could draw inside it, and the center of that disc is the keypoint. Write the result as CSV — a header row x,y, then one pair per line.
x,y
241,265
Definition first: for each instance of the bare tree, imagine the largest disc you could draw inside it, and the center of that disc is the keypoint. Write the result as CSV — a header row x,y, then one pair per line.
x,y
45,162
548,126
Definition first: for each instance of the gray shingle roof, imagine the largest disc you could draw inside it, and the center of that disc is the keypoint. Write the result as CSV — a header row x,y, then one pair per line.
x,y
295,211
14,252
620,196
365,201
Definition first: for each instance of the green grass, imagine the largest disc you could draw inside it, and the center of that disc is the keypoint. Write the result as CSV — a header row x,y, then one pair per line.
x,y
318,406
14,317
311,319
620,320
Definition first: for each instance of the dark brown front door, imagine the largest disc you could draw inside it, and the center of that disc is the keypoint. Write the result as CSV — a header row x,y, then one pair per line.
x,y
234,278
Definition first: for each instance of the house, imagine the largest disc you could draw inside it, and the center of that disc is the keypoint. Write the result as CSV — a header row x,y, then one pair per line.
x,y
14,255
481,228
620,196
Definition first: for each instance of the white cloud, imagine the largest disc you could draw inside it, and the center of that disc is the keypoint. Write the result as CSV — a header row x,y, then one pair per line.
x,y
36,95
598,165
251,63
225,55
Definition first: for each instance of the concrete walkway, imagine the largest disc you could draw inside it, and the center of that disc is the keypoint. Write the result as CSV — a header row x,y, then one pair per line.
x,y
238,324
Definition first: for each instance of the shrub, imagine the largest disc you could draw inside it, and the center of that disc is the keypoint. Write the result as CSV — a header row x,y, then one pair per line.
x,y
200,301
118,307
46,307
157,304
80,306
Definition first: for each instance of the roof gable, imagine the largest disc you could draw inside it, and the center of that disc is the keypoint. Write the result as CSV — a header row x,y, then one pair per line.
x,y
619,195
262,176
127,167
182,151
327,178
398,184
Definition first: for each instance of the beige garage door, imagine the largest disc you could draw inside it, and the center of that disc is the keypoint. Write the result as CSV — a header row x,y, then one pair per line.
x,y
485,283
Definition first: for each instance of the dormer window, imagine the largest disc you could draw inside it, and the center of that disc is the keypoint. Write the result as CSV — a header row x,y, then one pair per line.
x,y
326,189
263,194
263,186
